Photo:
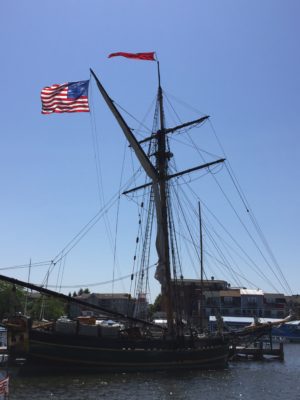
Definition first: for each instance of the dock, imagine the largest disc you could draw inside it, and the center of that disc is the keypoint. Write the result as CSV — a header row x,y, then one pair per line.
x,y
257,351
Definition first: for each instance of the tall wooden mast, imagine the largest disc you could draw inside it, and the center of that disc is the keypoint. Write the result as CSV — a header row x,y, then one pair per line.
x,y
162,169
159,178
201,269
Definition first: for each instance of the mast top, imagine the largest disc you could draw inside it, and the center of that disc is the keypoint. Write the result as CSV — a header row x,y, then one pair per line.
x,y
158,74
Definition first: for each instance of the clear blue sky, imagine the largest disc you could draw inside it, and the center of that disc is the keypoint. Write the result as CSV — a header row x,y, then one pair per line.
x,y
237,61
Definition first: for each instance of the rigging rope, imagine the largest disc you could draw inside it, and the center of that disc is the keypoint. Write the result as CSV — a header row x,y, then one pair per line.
x,y
254,221
285,286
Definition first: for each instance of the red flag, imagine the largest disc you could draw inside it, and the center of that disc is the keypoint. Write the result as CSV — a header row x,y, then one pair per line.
x,y
137,56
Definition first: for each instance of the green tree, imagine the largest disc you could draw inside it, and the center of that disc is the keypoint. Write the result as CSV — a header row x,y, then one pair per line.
x,y
156,306
83,291
12,299
46,307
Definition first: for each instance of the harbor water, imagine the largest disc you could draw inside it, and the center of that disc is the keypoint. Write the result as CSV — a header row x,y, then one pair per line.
x,y
242,380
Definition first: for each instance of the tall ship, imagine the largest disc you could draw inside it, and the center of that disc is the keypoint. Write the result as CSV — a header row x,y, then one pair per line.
x,y
126,341
131,343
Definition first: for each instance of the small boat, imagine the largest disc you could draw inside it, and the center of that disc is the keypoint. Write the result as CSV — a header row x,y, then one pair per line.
x,y
288,332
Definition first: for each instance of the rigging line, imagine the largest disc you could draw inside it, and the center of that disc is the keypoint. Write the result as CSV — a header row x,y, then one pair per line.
x,y
248,232
216,246
179,233
137,251
134,118
86,228
248,209
221,239
117,220
212,270
208,234
179,205
233,264
222,256
141,212
62,274
174,238
241,222
174,139
175,113
256,225
33,265
100,184
75,242
94,284
45,281
254,265
182,102
142,245
232,238
270,252
173,247
96,150
188,225
230,247
240,275
186,129
58,273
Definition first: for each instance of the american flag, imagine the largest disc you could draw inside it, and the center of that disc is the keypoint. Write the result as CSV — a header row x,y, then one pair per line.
x,y
4,385
68,97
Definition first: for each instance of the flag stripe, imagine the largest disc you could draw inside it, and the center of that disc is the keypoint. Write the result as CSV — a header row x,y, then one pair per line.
x,y
4,385
68,97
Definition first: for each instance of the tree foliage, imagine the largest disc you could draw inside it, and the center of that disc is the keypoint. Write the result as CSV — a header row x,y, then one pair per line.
x,y
14,299
156,306
11,299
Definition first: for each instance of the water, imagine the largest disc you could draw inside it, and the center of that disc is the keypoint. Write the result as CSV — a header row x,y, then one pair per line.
x,y
245,380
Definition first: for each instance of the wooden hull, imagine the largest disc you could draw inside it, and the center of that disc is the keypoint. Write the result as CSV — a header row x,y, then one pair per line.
x,y
71,352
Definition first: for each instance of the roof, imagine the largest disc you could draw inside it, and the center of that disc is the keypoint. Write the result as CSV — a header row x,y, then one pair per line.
x,y
111,296
249,320
274,295
230,293
206,282
252,292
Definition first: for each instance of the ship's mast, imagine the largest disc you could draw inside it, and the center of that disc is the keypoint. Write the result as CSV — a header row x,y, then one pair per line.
x,y
159,178
162,169
201,269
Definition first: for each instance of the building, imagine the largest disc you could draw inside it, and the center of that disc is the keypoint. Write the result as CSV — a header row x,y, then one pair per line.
x,y
275,305
218,297
120,302
293,305
252,302
230,302
187,293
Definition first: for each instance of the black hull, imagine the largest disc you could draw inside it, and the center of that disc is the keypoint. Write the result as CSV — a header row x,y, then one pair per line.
x,y
73,352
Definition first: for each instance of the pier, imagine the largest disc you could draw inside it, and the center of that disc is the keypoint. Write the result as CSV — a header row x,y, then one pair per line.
x,y
257,351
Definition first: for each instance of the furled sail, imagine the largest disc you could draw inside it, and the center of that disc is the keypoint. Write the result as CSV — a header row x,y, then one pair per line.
x,y
151,172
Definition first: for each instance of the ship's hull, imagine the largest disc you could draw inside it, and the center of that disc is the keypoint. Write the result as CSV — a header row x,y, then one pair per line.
x,y
71,352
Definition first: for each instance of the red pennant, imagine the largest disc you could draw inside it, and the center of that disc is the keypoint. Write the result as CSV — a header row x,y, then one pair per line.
x,y
137,56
